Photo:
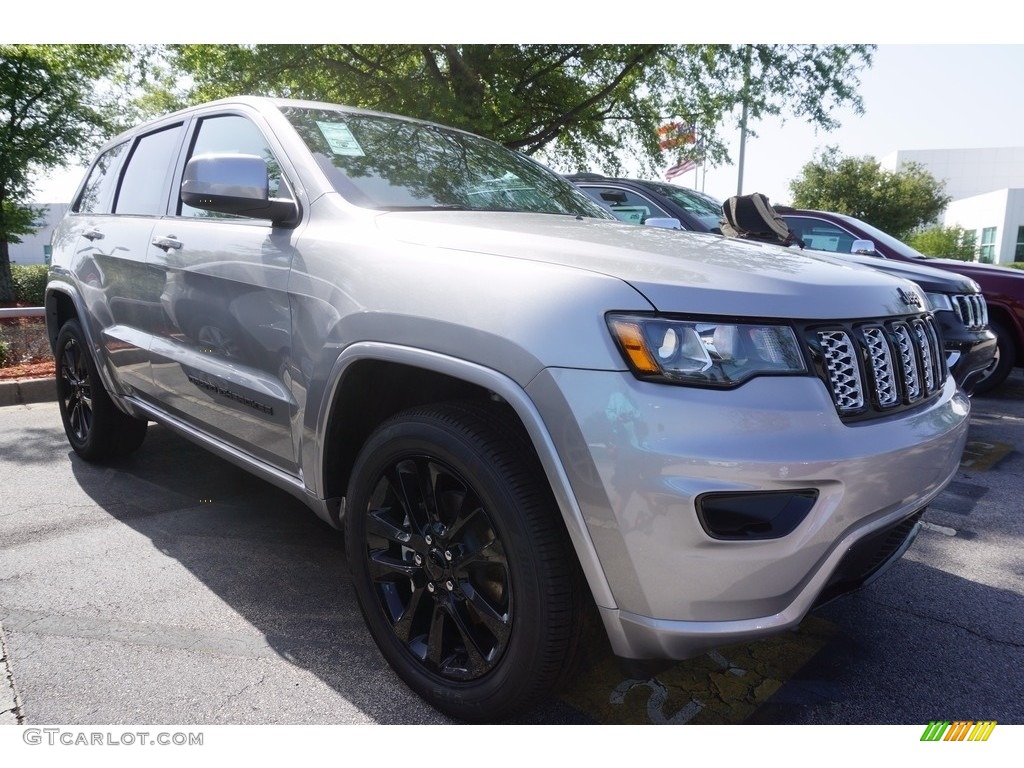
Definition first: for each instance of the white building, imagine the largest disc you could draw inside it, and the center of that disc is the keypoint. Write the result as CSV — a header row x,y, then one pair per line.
x,y
35,248
987,186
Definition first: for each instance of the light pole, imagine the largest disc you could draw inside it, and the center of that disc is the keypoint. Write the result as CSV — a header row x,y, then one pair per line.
x,y
743,118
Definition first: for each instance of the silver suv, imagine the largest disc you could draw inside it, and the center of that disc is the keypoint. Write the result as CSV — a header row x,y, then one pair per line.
x,y
515,406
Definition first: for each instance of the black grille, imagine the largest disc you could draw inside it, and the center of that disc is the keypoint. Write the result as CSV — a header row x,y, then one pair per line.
x,y
971,309
875,367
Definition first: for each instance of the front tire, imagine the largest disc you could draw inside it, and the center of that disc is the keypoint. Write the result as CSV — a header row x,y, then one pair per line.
x,y
461,563
97,430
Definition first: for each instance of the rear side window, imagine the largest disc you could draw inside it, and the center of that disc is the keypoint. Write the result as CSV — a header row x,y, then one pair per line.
x,y
99,187
144,183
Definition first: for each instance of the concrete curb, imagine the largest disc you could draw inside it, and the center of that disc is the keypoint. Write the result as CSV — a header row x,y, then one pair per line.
x,y
23,391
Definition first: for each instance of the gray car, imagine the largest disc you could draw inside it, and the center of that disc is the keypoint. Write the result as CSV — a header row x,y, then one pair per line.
x,y
520,410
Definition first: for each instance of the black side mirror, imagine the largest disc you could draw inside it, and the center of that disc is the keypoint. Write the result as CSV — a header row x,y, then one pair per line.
x,y
234,184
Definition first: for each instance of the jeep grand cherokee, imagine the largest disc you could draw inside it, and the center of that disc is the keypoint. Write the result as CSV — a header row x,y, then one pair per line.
x,y
514,405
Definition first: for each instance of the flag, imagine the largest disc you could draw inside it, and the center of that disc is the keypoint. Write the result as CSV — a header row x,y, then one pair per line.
x,y
679,170
672,135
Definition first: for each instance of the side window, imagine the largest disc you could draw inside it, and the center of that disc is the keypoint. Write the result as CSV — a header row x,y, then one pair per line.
x,y
234,134
821,235
627,205
99,187
143,188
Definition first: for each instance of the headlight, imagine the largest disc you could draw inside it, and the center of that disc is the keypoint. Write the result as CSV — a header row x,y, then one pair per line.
x,y
939,301
705,352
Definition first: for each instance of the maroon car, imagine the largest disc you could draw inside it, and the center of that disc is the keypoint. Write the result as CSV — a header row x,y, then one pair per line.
x,y
1003,287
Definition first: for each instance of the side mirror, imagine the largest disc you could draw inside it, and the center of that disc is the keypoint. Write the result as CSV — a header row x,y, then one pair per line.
x,y
663,223
235,184
864,247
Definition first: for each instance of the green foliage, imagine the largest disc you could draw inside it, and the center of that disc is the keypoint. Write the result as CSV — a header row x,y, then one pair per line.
x,y
53,108
30,283
897,202
5,350
586,107
1014,265
945,242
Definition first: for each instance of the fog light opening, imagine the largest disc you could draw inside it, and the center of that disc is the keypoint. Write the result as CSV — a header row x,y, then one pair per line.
x,y
754,516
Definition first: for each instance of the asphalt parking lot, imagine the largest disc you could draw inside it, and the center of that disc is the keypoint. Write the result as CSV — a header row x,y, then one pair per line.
x,y
174,588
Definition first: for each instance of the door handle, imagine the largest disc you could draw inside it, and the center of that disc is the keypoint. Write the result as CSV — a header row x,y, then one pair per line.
x,y
93,234
167,243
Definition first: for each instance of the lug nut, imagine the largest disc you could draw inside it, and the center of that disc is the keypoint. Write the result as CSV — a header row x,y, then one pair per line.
x,y
450,585
428,539
417,559
448,556
430,588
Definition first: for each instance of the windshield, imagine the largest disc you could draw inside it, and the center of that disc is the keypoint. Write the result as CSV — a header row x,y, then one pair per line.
x,y
391,163
704,207
885,239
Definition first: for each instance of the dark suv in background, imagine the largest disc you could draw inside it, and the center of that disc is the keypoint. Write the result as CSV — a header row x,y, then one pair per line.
x,y
1003,288
957,300
638,201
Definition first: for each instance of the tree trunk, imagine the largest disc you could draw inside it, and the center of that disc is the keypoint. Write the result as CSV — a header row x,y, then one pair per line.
x,y
6,281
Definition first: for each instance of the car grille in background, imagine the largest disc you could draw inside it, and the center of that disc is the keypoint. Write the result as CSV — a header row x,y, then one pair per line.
x,y
875,367
971,309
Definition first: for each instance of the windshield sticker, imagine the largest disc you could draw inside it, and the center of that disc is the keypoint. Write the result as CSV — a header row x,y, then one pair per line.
x,y
340,139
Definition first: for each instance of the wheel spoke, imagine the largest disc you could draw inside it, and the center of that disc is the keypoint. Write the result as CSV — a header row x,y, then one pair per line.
x,y
378,525
404,626
385,566
435,637
479,658
498,621
404,478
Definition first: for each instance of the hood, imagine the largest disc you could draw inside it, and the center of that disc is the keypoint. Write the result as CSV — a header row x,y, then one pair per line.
x,y
973,268
675,271
930,279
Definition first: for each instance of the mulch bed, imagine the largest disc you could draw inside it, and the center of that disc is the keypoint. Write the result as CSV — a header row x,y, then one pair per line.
x,y
29,356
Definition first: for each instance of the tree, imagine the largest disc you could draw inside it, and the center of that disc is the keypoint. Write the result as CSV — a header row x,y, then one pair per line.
x,y
897,202
52,109
945,242
580,106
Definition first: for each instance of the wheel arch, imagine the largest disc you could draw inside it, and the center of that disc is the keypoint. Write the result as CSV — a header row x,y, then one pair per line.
x,y
373,381
61,304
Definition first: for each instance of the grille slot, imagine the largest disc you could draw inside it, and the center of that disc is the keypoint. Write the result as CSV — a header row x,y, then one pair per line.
x,y
971,309
876,366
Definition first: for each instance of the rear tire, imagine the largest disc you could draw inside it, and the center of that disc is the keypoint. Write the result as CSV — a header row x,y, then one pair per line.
x,y
462,566
1006,358
97,430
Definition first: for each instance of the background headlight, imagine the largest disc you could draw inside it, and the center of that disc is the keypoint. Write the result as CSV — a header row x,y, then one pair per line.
x,y
939,301
705,352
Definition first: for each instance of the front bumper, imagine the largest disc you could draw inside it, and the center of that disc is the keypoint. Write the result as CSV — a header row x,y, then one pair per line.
x,y
638,455
969,353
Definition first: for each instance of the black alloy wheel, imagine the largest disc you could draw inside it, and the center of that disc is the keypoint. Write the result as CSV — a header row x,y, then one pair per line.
x,y
460,560
96,429
439,568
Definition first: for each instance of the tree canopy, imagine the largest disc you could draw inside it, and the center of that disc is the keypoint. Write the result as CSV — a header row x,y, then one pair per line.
x,y
582,107
945,242
897,202
51,111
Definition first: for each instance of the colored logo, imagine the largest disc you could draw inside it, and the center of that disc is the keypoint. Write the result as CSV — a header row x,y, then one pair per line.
x,y
958,730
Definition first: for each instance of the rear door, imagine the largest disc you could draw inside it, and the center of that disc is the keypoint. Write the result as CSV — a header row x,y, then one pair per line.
x,y
122,293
